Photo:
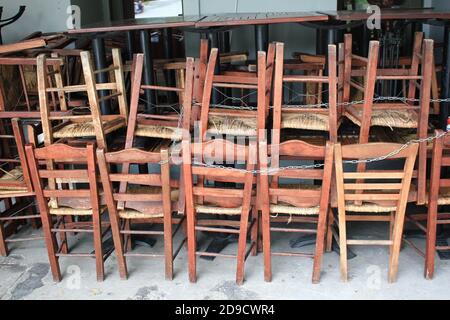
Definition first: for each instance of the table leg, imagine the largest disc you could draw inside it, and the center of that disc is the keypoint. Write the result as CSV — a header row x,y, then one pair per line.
x,y
168,54
98,49
261,38
150,96
130,45
444,113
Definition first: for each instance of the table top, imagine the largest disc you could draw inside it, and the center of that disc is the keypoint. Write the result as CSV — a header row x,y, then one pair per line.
x,y
236,19
390,14
139,24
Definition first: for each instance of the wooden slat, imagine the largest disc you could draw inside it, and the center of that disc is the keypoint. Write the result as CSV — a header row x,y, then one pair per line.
x,y
63,174
372,186
138,197
66,193
371,197
373,175
218,192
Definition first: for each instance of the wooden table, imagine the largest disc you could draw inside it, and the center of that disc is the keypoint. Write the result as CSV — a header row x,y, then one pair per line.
x,y
261,21
99,31
389,14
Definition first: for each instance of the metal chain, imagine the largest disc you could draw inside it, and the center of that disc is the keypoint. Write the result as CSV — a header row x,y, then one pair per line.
x,y
320,165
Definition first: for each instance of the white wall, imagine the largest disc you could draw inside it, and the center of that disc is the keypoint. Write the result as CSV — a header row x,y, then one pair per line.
x,y
40,15
296,37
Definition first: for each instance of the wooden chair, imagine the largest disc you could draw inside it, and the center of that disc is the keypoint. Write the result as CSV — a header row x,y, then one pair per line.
x,y
15,184
170,125
310,65
307,118
148,198
59,202
18,87
384,193
206,202
298,203
244,120
90,125
438,198
406,115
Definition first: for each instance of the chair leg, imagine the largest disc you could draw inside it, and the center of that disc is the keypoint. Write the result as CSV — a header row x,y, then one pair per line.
x,y
430,249
343,245
320,242
242,245
330,223
397,237
3,246
192,247
391,230
52,245
128,239
63,236
265,223
254,231
96,220
119,246
168,246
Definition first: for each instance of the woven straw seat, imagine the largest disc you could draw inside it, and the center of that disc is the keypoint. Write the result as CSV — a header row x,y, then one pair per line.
x,y
291,210
86,129
133,214
238,126
306,121
369,208
15,174
407,119
155,131
66,211
218,210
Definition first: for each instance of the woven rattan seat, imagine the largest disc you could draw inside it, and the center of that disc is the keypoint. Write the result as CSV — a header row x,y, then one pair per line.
x,y
66,211
385,117
156,131
306,121
238,126
87,129
133,214
369,208
218,210
15,174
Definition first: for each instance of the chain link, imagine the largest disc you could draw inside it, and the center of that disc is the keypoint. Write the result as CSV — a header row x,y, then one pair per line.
x,y
320,165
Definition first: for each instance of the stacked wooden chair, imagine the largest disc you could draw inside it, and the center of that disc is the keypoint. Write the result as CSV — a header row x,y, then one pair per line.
x,y
170,125
295,203
407,114
146,198
373,195
207,202
92,125
66,210
16,190
305,118
225,118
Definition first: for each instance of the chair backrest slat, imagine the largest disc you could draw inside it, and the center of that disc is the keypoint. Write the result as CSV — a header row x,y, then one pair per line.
x,y
54,174
145,193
